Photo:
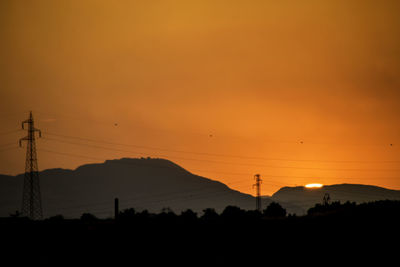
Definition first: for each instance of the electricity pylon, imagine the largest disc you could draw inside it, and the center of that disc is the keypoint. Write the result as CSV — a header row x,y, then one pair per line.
x,y
258,189
31,198
326,200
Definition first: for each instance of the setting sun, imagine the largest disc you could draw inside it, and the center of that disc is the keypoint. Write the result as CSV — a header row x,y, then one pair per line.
x,y
314,185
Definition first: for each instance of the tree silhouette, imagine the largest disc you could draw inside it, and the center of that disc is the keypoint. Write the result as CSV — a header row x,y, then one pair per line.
x,y
127,214
210,215
188,216
332,208
233,213
274,210
167,216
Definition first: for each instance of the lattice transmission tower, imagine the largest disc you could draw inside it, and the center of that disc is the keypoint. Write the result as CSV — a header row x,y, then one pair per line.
x,y
258,191
31,198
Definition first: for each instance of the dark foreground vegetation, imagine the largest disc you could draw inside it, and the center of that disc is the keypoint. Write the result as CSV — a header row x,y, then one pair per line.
x,y
331,231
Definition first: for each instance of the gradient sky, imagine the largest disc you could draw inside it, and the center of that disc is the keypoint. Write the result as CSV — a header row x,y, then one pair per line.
x,y
303,91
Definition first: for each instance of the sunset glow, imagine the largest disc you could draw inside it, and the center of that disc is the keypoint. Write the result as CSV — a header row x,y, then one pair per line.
x,y
289,89
314,185
241,124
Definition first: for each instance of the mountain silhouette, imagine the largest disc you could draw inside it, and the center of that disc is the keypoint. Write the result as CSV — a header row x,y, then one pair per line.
x,y
300,198
154,184
145,183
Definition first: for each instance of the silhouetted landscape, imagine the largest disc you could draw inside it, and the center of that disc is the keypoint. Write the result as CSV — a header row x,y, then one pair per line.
x,y
150,184
199,132
226,237
153,184
302,198
215,222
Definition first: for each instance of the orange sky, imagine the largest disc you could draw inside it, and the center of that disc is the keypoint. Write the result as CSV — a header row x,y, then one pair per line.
x,y
308,88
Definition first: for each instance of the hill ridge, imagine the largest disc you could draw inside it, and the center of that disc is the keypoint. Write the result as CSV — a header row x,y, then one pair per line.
x,y
156,183
141,183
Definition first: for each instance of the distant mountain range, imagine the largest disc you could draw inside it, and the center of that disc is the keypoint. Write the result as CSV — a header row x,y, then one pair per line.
x,y
303,198
154,184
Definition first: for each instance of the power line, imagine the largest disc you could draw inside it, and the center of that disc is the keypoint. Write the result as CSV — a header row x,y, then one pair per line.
x,y
297,141
180,197
70,154
10,132
8,148
12,115
7,144
276,183
228,173
220,155
59,116
168,167
197,153
297,177
203,191
221,162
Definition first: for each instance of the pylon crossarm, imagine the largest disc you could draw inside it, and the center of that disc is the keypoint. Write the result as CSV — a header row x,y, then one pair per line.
x,y
23,139
40,132
25,121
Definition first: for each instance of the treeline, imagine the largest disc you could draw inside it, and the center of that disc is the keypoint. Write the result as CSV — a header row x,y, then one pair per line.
x,y
336,229
229,214
274,211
